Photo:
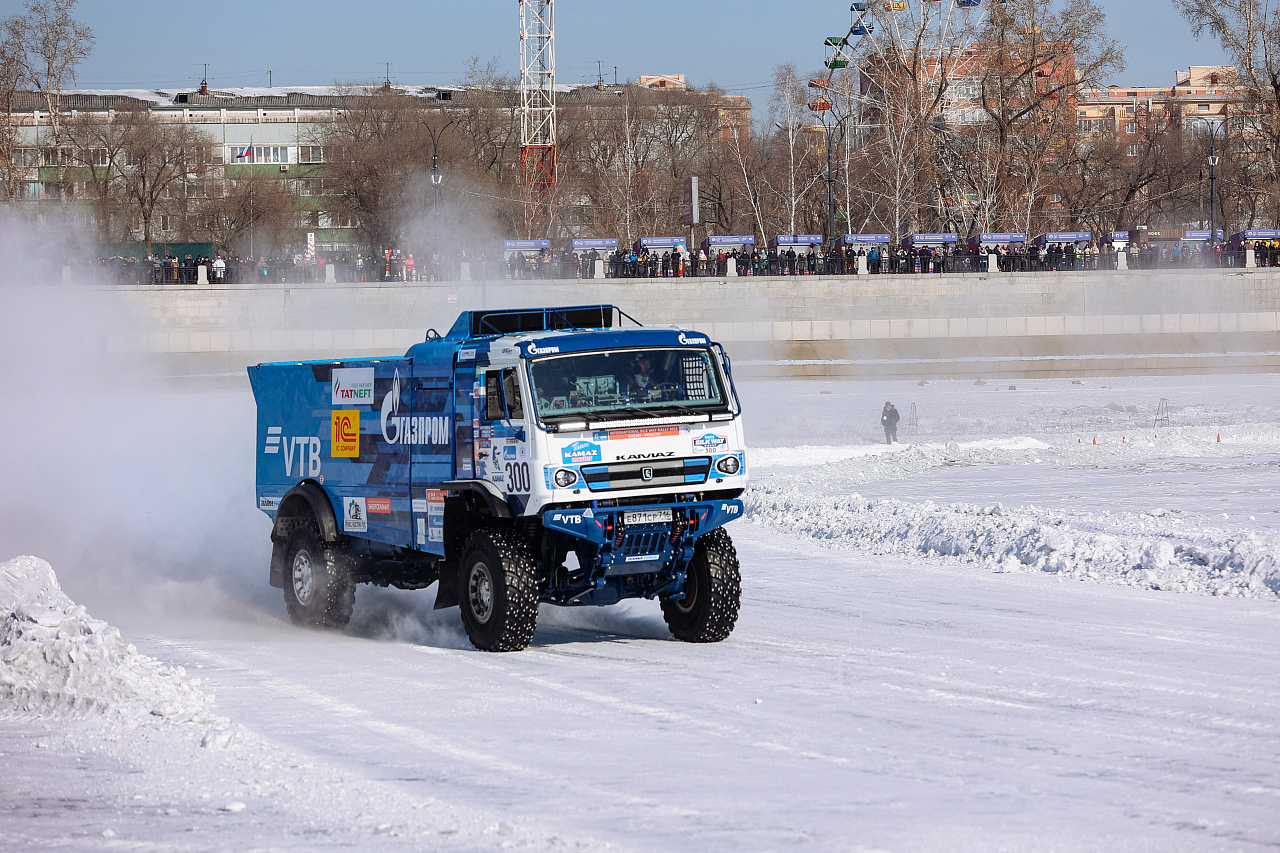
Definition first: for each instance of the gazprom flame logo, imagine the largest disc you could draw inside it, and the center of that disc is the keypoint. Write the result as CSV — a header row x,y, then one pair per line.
x,y
688,340
406,429
533,349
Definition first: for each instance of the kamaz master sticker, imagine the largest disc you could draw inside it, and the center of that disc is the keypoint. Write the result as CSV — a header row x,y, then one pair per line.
x,y
581,451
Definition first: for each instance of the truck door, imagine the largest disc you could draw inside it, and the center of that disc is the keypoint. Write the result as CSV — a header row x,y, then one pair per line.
x,y
430,435
502,445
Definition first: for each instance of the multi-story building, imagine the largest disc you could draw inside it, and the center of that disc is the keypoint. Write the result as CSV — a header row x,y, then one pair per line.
x,y
1204,96
276,132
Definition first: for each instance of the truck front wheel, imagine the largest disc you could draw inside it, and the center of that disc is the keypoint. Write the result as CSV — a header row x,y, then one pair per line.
x,y
318,590
712,590
497,591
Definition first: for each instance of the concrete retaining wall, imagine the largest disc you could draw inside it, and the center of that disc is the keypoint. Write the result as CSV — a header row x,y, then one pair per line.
x,y
939,325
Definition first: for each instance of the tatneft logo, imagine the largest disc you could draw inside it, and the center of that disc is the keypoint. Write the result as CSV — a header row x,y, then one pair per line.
x,y
534,349
410,429
352,386
305,448
686,340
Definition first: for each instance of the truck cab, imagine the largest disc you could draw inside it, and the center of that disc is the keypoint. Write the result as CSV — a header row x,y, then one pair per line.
x,y
551,455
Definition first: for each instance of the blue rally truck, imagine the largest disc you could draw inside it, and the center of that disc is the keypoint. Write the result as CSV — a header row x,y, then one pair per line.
x,y
538,455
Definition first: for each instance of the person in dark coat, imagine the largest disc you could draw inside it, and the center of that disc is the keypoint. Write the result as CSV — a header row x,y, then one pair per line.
x,y
889,420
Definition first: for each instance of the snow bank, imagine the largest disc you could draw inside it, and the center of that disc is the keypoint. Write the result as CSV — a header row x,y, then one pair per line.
x,y
54,657
937,453
1146,550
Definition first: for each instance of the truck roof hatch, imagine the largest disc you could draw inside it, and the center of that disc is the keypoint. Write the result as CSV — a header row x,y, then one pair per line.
x,y
479,324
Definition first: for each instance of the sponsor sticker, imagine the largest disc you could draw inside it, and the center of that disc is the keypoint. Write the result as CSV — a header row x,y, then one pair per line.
x,y
692,340
355,517
644,432
345,430
352,386
422,531
509,452
273,440
467,354
268,503
435,515
380,505
643,558
709,443
532,349
410,429
420,505
581,451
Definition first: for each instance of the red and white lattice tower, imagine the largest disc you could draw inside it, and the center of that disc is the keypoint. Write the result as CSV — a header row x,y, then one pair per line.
x,y
538,116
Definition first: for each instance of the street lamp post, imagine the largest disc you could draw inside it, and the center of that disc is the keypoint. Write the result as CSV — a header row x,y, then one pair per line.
x,y
437,179
1213,186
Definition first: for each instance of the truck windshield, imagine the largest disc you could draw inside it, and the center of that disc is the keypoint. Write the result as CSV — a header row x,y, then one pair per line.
x,y
624,383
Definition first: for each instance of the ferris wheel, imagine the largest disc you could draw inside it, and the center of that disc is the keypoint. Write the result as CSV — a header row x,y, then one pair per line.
x,y
944,25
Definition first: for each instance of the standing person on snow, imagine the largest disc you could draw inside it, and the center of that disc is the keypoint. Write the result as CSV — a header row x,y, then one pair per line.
x,y
889,420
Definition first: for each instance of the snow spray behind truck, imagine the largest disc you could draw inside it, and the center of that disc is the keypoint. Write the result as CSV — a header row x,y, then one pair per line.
x,y
538,455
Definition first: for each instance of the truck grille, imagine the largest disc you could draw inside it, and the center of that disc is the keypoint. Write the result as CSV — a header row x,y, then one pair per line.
x,y
692,471
644,543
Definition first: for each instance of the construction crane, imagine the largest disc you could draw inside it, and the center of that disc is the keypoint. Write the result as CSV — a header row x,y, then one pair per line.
x,y
538,116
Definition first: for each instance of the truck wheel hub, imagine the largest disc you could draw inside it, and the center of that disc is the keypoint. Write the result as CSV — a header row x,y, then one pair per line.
x,y
303,577
480,592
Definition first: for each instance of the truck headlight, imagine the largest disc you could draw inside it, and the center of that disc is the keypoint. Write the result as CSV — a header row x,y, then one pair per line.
x,y
728,465
565,478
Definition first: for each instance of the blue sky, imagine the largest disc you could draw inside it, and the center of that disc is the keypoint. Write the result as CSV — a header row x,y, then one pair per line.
x,y
153,43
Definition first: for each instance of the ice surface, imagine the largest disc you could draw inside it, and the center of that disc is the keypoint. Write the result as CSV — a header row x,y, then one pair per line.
x,y
911,671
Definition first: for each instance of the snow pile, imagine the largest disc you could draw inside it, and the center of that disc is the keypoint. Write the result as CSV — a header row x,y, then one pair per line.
x,y
1148,550
55,657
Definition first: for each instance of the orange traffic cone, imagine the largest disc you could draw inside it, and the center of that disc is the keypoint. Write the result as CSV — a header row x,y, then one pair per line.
x,y
1095,439
1219,438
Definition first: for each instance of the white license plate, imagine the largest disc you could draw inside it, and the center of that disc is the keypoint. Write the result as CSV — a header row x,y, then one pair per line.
x,y
647,516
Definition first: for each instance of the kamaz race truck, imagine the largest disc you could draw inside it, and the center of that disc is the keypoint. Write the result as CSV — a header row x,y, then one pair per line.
x,y
541,455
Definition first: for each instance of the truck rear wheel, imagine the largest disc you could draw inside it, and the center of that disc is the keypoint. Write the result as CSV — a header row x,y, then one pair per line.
x,y
712,591
497,591
318,590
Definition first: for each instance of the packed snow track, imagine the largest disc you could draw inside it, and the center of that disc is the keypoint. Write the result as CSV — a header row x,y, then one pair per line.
x,y
878,693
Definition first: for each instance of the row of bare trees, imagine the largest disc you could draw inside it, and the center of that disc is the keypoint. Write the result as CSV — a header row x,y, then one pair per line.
x,y
945,118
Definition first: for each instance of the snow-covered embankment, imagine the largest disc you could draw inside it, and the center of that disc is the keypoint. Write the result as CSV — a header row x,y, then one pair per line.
x,y
1154,550
55,657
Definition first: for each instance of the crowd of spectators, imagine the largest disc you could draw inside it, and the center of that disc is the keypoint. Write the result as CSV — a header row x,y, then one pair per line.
x,y
394,265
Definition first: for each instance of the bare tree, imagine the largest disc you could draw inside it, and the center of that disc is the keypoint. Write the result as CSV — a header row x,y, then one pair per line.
x,y
252,204
56,43
1249,32
98,145
13,39
1035,55
159,160
375,151
791,118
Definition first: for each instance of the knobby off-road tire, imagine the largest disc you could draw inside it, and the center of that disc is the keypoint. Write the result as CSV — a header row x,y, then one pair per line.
x,y
712,592
318,590
498,591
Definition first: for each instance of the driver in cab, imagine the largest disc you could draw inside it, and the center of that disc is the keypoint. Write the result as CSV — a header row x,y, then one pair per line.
x,y
641,381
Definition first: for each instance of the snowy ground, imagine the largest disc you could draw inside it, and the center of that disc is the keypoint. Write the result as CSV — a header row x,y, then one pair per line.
x,y
1001,637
